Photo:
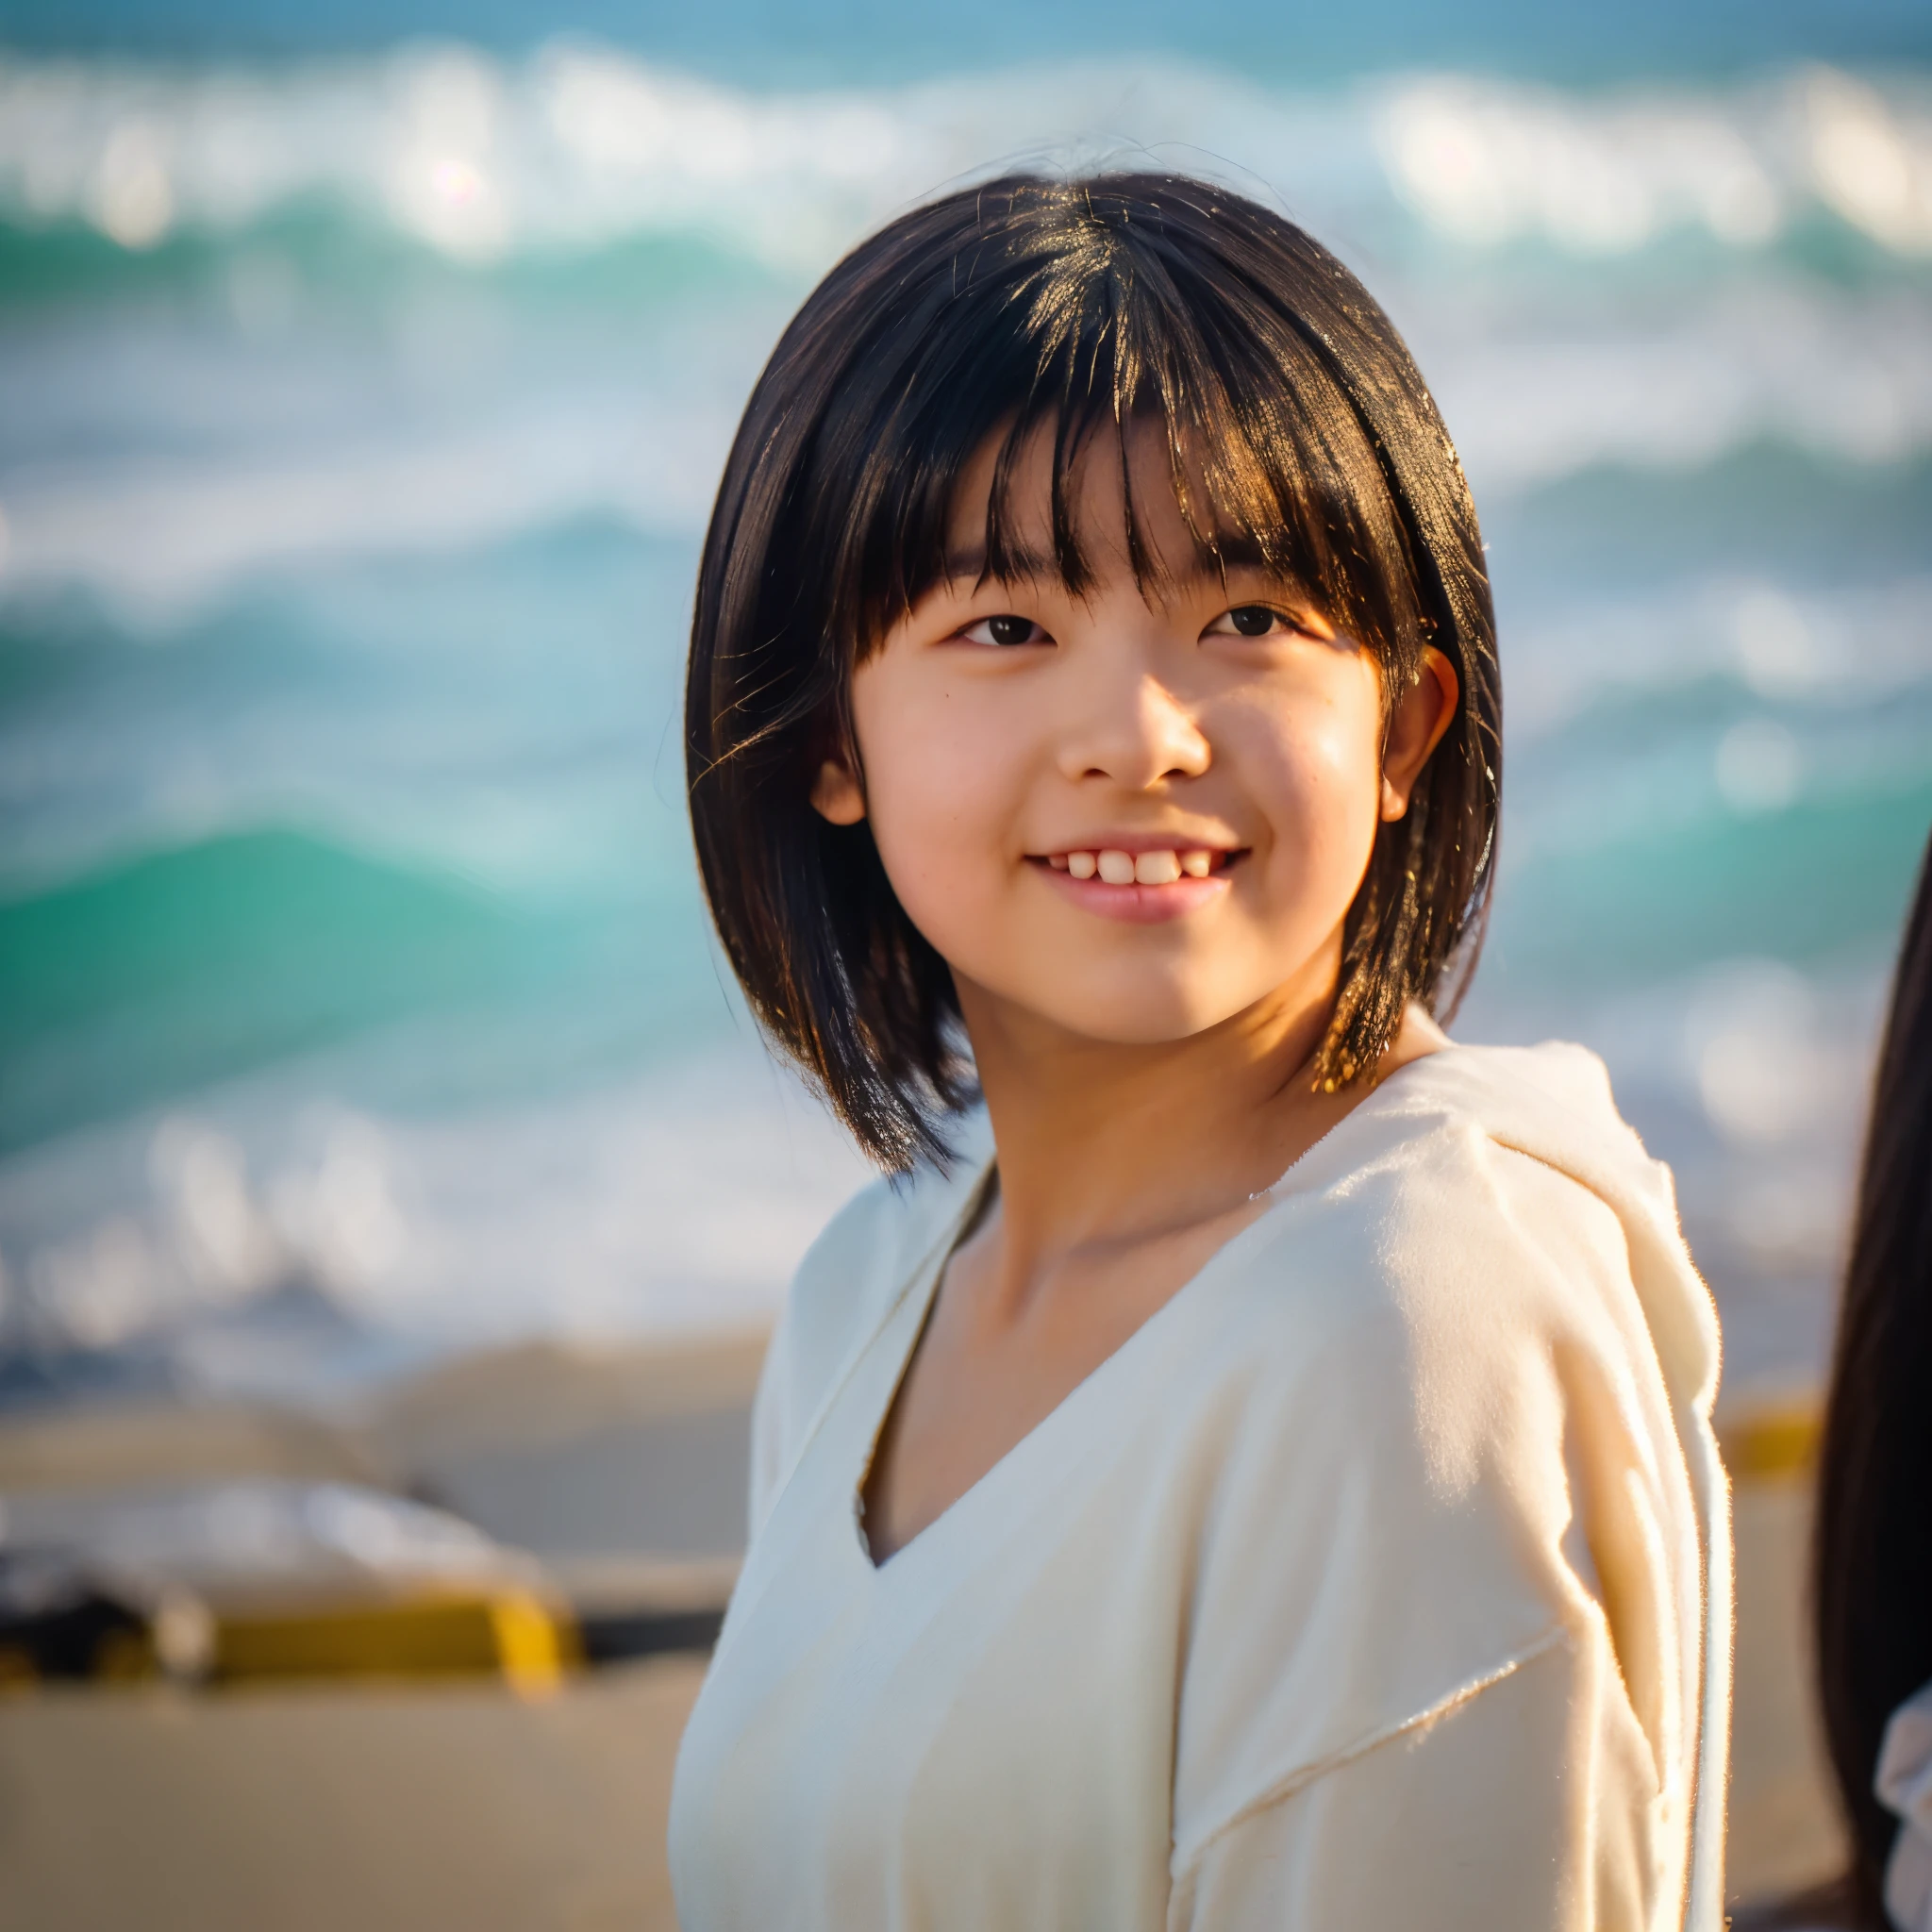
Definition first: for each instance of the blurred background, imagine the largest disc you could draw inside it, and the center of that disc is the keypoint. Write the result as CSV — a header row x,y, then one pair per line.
x,y
392,1194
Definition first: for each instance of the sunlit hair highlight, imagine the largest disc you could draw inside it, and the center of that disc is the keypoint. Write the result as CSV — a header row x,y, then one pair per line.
x,y
1299,438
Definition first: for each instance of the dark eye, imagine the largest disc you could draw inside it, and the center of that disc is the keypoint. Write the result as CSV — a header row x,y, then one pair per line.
x,y
1005,630
1269,621
1252,620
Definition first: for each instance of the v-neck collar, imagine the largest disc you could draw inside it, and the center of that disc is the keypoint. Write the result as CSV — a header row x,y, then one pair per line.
x,y
898,1335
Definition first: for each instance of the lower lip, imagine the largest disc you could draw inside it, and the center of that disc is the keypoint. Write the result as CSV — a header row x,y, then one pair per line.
x,y
1139,904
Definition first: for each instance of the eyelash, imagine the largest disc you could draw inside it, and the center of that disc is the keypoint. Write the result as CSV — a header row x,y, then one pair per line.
x,y
1003,644
1039,635
1279,622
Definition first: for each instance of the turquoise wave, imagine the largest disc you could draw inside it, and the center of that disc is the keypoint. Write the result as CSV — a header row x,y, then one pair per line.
x,y
1800,514
164,975
328,257
1824,881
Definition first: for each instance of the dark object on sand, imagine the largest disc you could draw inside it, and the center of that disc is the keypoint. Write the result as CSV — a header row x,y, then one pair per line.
x,y
59,1622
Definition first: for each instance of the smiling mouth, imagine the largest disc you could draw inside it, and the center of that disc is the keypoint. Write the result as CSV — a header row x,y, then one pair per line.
x,y
1160,867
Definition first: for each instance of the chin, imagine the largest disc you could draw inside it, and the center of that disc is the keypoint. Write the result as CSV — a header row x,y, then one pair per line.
x,y
1138,1016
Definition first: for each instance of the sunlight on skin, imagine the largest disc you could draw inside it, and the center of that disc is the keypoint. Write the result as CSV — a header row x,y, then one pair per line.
x,y
1143,1047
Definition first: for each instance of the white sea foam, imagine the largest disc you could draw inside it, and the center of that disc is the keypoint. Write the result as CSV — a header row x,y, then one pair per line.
x,y
680,1200
572,149
159,531
1488,161
157,535
1848,649
578,145
1849,377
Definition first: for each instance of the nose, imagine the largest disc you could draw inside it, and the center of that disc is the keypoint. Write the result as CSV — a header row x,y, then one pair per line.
x,y
1140,736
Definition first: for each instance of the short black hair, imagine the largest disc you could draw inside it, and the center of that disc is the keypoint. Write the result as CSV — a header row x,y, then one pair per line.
x,y
1300,434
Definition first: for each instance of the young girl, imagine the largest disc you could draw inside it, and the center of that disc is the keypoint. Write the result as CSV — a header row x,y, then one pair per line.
x,y
1257,1471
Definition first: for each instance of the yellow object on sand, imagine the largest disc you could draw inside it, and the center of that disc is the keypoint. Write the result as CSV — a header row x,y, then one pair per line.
x,y
512,1634
1766,1440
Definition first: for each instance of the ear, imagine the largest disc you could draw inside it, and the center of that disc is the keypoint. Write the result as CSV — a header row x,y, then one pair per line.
x,y
1417,721
837,795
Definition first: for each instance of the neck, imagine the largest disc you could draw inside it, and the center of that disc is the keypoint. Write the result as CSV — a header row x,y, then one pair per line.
x,y
1102,1144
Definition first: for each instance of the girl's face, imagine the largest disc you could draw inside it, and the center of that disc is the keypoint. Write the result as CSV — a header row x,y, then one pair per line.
x,y
1132,816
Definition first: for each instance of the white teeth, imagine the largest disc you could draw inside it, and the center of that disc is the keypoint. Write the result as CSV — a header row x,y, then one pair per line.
x,y
1127,868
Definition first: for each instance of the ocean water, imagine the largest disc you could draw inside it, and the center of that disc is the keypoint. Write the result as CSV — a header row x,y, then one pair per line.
x,y
360,406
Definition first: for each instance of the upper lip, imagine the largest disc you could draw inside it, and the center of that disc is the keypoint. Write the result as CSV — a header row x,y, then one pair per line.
x,y
1137,842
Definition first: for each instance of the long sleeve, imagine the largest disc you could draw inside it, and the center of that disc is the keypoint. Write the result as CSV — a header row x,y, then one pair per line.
x,y
1453,1679
1521,1808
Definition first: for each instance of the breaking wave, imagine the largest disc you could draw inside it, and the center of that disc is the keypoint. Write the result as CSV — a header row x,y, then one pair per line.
x,y
579,146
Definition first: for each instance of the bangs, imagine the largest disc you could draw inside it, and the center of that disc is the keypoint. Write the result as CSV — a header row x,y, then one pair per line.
x,y
1082,334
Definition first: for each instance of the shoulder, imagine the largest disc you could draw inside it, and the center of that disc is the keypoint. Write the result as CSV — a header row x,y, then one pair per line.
x,y
1551,1104
1553,1100
1483,1213
1521,1152
1460,1165
1456,1302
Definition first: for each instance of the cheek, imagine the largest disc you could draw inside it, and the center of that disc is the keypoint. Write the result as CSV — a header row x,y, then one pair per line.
x,y
1317,782
938,765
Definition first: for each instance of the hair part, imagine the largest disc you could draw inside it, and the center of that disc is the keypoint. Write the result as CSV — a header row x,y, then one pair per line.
x,y
1298,434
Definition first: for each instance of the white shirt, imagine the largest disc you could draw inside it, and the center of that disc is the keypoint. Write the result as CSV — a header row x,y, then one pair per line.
x,y
1381,1579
